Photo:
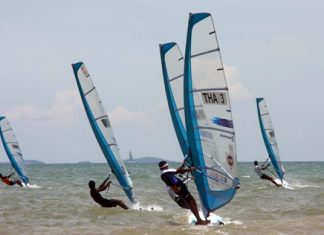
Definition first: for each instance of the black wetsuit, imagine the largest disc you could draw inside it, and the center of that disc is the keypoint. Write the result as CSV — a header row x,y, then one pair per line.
x,y
102,201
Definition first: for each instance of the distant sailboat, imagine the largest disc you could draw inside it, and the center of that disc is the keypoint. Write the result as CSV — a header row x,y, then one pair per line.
x,y
269,137
101,128
12,149
200,110
131,159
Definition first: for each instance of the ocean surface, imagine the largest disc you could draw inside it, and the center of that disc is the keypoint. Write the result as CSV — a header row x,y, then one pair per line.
x,y
59,203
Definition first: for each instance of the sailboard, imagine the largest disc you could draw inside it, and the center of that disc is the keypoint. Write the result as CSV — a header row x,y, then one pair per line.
x,y
101,128
208,116
269,138
12,149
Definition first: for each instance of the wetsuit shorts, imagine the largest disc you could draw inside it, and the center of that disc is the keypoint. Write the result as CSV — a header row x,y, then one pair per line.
x,y
109,203
265,177
8,182
184,192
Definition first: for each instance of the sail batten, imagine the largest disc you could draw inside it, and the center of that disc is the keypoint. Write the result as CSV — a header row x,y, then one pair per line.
x,y
101,127
205,52
179,76
11,146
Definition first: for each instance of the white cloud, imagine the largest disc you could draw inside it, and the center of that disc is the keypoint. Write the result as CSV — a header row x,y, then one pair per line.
x,y
64,109
121,115
237,90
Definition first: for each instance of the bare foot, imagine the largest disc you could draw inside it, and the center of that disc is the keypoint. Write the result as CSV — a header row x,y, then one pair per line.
x,y
202,222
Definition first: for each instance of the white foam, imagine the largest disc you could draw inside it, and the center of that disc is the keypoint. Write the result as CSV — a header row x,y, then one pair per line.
x,y
245,176
228,220
299,185
151,207
214,219
32,186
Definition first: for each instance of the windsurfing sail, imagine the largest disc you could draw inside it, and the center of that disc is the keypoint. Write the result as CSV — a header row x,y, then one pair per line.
x,y
101,127
131,159
208,116
172,62
269,137
12,149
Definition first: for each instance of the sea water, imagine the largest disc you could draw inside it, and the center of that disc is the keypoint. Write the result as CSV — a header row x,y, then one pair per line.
x,y
59,203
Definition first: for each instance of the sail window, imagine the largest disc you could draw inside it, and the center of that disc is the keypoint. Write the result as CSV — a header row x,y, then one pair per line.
x,y
105,122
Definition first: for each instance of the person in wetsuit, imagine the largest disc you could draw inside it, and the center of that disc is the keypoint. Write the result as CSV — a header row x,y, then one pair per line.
x,y
259,170
8,181
179,188
95,194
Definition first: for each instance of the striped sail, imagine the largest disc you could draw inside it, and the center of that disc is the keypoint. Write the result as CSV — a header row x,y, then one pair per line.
x,y
172,68
101,127
269,137
208,115
12,149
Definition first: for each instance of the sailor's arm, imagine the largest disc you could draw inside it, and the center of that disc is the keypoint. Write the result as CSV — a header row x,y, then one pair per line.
x,y
104,185
181,170
8,176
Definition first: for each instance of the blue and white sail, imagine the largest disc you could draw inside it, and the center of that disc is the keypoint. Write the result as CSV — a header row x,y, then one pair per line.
x,y
101,127
269,137
208,115
12,149
172,62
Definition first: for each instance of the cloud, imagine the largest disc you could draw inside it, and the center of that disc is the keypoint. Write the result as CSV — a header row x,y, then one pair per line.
x,y
64,109
237,90
120,116
207,68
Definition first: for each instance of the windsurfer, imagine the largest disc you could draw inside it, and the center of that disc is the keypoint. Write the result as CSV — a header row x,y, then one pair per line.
x,y
259,170
8,181
179,188
94,192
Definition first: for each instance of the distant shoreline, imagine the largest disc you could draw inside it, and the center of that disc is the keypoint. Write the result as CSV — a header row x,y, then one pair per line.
x,y
143,160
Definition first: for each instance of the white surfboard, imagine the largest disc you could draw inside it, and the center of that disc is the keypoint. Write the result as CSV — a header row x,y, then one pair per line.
x,y
214,219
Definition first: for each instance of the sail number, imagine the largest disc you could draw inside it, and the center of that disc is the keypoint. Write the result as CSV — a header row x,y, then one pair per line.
x,y
214,98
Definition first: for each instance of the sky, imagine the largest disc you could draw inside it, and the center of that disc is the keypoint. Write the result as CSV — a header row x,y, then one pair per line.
x,y
271,49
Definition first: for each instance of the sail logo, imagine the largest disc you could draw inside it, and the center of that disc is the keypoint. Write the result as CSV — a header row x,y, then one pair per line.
x,y
214,98
230,161
222,122
85,71
206,134
15,146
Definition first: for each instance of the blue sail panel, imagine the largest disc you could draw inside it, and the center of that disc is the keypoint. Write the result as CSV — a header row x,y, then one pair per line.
x,y
172,62
208,117
269,137
12,149
101,127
